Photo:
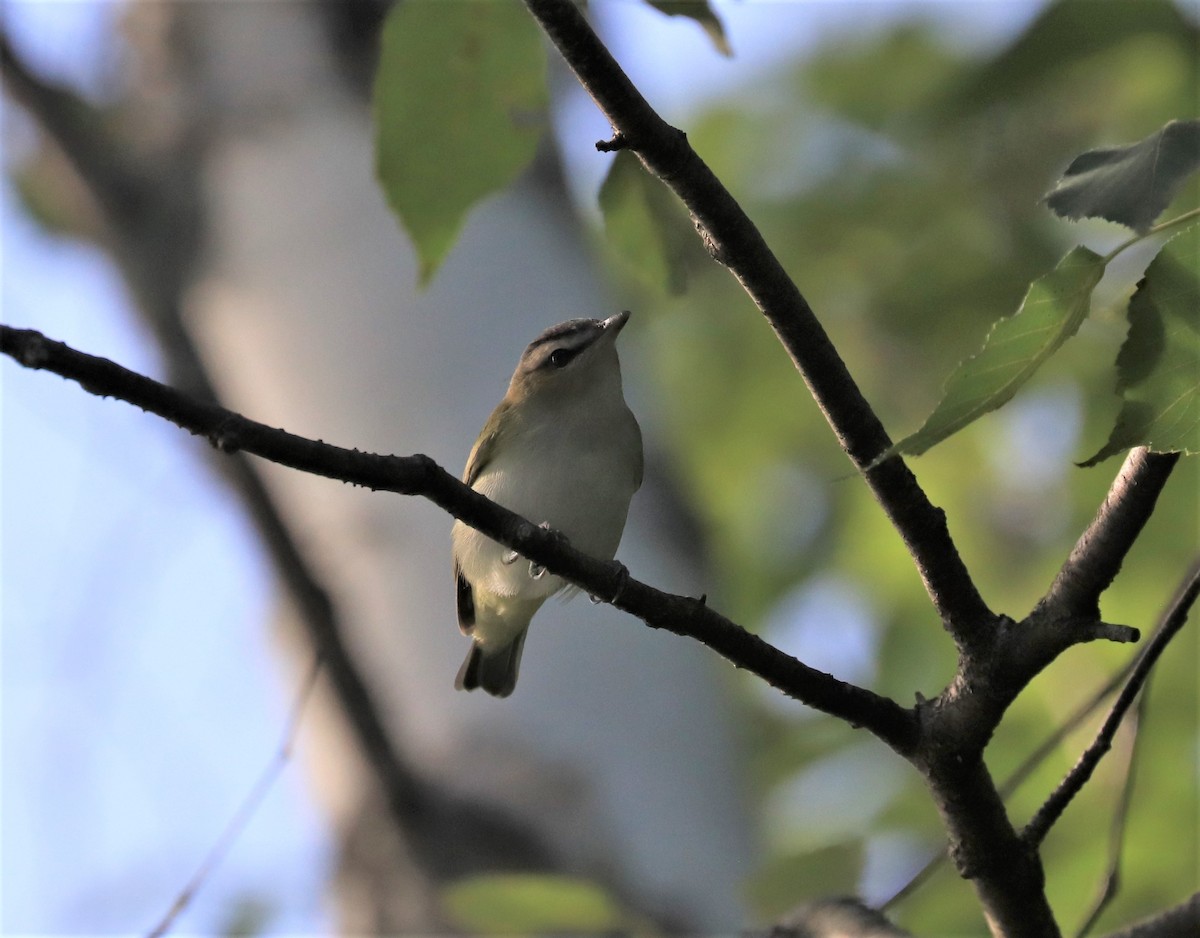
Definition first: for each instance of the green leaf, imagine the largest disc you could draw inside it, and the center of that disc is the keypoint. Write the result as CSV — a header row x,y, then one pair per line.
x,y
1016,347
1129,185
460,99
529,904
644,224
1158,367
784,881
1068,38
702,13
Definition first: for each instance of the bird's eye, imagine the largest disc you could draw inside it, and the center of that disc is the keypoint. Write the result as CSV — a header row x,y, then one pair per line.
x,y
560,357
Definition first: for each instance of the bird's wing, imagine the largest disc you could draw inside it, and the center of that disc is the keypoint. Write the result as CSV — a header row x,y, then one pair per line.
x,y
484,449
465,601
481,455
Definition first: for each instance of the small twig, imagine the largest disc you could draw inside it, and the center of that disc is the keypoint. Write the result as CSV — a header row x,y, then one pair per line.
x,y
617,142
247,809
1036,830
1022,772
1110,632
419,475
1116,835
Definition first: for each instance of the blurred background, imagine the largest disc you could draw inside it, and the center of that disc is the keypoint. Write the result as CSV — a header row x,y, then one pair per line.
x,y
151,599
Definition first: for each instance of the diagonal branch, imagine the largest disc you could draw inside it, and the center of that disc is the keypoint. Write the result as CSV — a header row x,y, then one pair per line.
x,y
1111,883
1036,830
75,126
420,475
1098,554
1179,921
732,239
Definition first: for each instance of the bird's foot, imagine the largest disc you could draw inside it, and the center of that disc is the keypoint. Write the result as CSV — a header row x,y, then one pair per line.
x,y
537,571
622,574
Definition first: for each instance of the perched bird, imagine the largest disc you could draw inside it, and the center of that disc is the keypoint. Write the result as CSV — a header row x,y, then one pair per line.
x,y
562,450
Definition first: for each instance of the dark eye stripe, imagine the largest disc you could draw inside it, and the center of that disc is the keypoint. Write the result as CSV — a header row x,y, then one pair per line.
x,y
561,357
564,330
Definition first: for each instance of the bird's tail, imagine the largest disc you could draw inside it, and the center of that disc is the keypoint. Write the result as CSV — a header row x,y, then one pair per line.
x,y
494,670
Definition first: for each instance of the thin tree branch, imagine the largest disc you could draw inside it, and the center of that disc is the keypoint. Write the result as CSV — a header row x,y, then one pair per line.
x,y
1098,554
247,809
1048,745
1036,830
1116,834
420,475
153,220
733,240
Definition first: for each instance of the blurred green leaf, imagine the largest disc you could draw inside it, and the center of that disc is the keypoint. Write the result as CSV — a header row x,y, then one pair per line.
x,y
702,13
522,904
1129,185
643,224
1158,368
789,880
1016,347
1065,34
884,84
460,99
246,917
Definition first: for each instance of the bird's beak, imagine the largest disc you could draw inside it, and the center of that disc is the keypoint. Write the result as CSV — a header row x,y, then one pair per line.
x,y
615,324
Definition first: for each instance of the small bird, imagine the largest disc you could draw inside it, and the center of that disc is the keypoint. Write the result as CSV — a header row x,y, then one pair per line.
x,y
563,450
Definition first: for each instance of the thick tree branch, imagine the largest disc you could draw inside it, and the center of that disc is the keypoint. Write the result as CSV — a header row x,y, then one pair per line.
x,y
1035,831
994,671
1006,872
1098,554
420,475
1180,921
734,241
1021,773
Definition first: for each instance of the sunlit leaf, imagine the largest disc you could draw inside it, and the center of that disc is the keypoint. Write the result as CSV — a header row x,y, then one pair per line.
x,y
460,99
1130,185
644,224
1017,346
1158,368
522,904
702,13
